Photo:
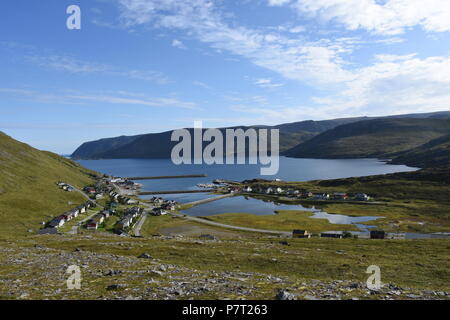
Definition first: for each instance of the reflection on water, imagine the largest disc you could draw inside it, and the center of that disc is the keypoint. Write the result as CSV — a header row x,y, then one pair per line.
x,y
240,204
342,219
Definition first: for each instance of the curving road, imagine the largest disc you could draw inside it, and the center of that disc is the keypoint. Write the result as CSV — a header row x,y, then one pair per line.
x,y
217,224
139,224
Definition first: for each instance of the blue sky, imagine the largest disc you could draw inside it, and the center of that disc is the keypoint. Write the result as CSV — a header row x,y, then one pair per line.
x,y
139,66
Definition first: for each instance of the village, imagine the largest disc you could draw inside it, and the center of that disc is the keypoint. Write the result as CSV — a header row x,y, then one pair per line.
x,y
114,197
117,198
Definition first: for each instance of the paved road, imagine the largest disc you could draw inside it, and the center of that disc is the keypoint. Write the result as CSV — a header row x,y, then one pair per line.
x,y
217,224
139,224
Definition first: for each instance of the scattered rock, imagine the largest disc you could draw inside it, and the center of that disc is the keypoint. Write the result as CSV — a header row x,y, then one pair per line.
x,y
285,295
112,272
162,268
116,287
207,237
145,256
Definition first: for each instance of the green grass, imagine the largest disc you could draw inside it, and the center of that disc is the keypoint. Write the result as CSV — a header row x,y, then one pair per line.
x,y
284,220
28,193
413,263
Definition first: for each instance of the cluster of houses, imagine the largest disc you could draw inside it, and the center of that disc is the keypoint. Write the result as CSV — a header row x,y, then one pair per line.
x,y
115,196
94,192
95,222
374,234
129,217
59,221
162,206
301,194
65,186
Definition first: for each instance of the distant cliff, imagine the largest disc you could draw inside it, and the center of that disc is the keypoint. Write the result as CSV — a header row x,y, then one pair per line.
x,y
377,138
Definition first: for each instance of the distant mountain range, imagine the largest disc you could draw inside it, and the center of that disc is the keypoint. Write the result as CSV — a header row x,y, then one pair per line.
x,y
158,145
376,138
359,137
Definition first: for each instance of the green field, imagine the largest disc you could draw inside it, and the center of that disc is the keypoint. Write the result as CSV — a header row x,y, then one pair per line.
x,y
284,220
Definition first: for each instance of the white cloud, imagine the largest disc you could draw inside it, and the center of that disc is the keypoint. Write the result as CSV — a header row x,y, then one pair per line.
x,y
76,66
178,44
389,17
391,84
267,83
201,84
275,3
293,58
121,98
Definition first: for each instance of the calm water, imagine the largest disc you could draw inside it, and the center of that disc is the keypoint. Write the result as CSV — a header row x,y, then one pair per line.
x,y
290,170
242,204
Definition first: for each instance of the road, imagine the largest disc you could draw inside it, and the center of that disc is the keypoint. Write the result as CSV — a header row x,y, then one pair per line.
x,y
139,224
74,229
217,224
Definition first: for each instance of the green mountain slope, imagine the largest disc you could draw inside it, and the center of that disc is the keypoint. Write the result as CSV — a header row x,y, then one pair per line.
x,y
91,149
28,193
158,145
435,153
372,138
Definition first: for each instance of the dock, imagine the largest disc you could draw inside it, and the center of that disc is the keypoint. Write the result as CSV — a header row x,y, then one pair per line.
x,y
198,202
168,177
175,192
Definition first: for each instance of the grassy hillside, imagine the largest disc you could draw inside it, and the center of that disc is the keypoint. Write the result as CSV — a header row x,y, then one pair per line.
x,y
372,138
28,194
435,153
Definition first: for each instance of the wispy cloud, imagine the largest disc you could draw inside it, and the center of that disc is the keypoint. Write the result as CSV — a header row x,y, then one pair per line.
x,y
120,98
178,44
201,84
77,66
267,83
384,85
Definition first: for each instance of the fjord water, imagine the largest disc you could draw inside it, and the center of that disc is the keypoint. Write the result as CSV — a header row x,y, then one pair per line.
x,y
290,170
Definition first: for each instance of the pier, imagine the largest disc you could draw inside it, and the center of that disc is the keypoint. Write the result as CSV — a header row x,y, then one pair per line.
x,y
198,202
174,192
168,177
